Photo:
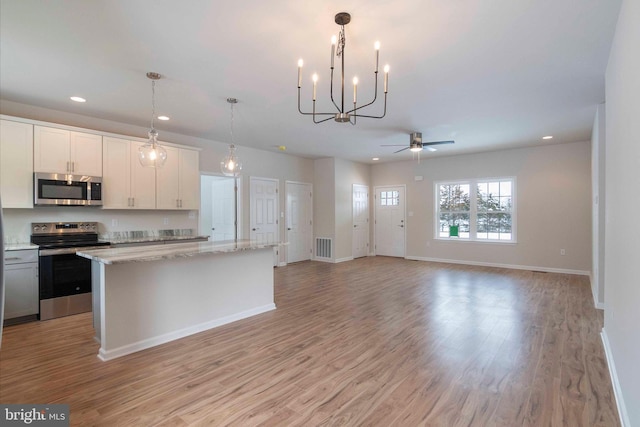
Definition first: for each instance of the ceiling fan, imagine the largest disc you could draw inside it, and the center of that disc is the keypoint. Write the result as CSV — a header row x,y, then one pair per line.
x,y
416,144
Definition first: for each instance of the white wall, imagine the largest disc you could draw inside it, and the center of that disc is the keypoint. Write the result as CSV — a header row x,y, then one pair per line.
x,y
622,245
598,201
324,196
553,205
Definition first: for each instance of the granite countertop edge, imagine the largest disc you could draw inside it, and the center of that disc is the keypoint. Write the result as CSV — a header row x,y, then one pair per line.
x,y
165,252
19,246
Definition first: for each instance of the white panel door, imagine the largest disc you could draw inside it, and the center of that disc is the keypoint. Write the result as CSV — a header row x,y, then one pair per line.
x,y
360,220
390,221
222,209
264,210
299,221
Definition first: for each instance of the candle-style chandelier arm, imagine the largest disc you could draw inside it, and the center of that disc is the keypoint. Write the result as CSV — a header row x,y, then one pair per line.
x,y
342,115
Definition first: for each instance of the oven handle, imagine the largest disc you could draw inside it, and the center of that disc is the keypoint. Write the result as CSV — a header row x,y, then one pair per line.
x,y
63,251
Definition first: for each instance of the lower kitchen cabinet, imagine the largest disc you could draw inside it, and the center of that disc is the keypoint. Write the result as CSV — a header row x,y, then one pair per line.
x,y
21,283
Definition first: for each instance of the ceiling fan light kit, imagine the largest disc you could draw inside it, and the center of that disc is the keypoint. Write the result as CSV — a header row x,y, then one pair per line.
x,y
343,115
416,145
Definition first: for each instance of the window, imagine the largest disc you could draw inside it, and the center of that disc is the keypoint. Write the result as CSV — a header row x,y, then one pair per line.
x,y
389,198
479,209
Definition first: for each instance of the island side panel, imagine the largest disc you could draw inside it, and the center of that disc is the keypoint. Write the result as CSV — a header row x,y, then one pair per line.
x,y
149,303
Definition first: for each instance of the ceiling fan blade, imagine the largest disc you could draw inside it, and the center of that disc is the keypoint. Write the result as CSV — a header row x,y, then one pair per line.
x,y
437,143
405,148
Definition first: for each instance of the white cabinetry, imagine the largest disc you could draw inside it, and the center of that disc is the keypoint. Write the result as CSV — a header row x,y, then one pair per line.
x,y
63,151
178,181
16,164
21,283
126,184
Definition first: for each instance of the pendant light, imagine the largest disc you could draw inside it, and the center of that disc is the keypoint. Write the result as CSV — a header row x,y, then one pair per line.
x,y
231,165
152,154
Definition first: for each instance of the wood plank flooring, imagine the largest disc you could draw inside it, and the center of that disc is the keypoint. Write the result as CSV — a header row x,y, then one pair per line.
x,y
374,342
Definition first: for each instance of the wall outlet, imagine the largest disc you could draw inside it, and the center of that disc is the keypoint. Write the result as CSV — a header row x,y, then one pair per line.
x,y
165,221
192,214
562,252
114,222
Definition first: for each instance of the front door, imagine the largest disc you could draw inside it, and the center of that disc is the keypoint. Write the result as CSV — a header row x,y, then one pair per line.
x,y
360,220
390,221
299,225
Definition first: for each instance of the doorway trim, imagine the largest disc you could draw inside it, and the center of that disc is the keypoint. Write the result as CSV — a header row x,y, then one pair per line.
x,y
238,189
287,213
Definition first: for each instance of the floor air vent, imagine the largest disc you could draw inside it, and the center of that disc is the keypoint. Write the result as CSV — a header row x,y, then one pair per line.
x,y
323,248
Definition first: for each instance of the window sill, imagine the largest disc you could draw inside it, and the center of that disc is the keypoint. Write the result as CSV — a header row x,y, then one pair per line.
x,y
455,239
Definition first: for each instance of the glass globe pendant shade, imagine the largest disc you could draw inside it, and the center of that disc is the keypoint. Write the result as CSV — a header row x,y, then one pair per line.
x,y
231,165
152,154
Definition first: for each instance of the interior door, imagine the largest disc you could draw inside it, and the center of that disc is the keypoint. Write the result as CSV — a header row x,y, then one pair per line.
x,y
360,220
299,221
390,221
264,209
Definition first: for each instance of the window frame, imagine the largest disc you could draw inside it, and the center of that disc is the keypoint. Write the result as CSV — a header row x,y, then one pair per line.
x,y
473,209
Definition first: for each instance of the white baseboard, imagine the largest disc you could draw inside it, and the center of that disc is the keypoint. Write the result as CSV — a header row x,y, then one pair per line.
x,y
282,264
491,264
349,258
371,254
171,336
320,259
598,304
617,390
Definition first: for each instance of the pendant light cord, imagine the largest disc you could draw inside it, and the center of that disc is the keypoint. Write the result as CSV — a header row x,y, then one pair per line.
x,y
231,128
153,102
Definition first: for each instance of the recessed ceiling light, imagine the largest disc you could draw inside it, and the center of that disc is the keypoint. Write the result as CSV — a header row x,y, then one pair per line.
x,y
547,137
376,158
163,118
77,99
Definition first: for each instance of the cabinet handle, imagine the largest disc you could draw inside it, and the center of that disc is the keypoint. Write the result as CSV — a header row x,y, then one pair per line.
x,y
68,169
15,258
180,202
177,203
133,202
73,166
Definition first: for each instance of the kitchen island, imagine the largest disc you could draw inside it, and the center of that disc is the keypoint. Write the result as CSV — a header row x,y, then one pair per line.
x,y
146,296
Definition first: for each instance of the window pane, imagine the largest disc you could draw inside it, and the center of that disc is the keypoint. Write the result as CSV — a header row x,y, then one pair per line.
x,y
505,203
494,188
505,188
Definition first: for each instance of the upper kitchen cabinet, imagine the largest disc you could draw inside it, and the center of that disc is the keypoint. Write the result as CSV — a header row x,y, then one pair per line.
x,y
63,151
16,164
178,181
126,184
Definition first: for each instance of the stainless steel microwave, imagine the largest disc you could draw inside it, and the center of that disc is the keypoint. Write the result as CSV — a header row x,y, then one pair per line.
x,y
66,190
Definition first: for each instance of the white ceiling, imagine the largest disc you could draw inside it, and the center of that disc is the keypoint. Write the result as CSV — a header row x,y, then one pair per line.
x,y
490,74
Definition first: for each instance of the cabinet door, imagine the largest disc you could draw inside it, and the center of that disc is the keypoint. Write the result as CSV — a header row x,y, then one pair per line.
x,y
143,181
86,154
116,176
16,164
21,290
189,179
167,181
51,149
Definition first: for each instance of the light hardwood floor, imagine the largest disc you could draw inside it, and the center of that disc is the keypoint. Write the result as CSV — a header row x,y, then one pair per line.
x,y
376,341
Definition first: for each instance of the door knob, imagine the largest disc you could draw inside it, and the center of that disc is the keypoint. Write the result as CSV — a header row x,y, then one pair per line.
x,y
213,228
289,228
401,225
354,226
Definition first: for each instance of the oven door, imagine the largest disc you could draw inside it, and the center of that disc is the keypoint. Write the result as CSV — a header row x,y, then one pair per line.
x,y
63,275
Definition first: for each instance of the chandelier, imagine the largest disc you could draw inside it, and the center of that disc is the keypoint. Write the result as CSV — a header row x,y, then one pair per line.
x,y
152,154
231,165
343,114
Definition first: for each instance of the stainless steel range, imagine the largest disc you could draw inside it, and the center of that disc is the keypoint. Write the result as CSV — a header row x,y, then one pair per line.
x,y
65,279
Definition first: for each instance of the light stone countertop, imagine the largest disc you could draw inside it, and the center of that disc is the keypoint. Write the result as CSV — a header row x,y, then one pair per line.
x,y
19,246
176,250
128,240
